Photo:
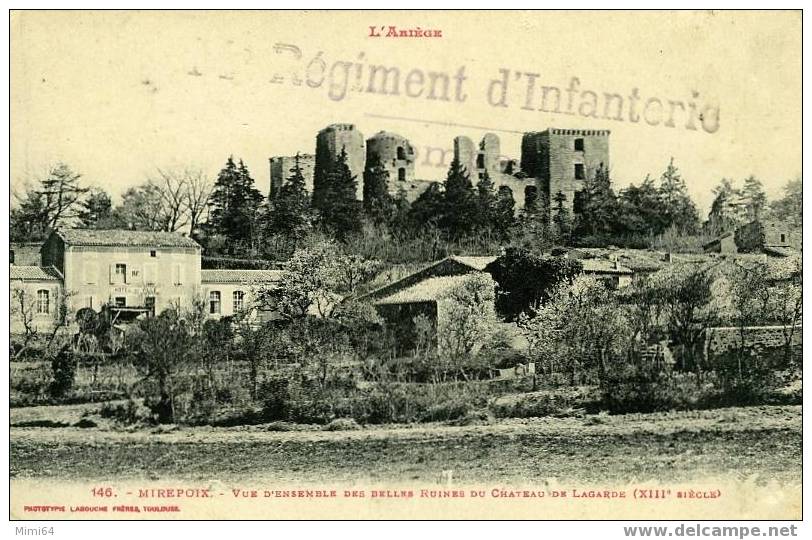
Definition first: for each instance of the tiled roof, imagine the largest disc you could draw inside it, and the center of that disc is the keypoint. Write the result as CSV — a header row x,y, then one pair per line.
x,y
34,273
120,237
781,251
424,291
240,276
477,263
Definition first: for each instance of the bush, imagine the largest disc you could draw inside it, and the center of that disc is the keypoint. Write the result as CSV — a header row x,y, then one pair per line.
x,y
446,411
661,392
342,424
128,413
63,366
559,403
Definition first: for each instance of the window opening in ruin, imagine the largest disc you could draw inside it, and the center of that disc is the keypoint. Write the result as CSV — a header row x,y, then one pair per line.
x,y
579,171
401,174
579,145
401,153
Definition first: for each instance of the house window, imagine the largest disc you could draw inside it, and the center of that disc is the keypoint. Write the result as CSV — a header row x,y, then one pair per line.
x,y
120,273
149,302
43,301
401,153
214,302
238,298
401,175
120,301
579,171
153,253
783,238
579,145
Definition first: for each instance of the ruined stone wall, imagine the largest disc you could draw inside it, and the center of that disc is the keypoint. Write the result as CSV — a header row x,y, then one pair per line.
x,y
554,159
396,154
329,143
728,338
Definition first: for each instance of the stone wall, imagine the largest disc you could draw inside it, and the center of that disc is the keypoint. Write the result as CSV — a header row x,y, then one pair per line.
x,y
728,338
396,155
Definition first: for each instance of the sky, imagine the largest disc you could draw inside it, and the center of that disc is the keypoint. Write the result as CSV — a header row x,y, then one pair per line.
x,y
116,95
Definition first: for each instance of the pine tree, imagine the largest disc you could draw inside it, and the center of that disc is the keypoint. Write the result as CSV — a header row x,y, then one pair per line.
x,y
504,212
721,217
234,205
486,203
460,202
340,211
97,210
562,221
428,208
289,212
597,210
378,203
753,191
61,195
680,210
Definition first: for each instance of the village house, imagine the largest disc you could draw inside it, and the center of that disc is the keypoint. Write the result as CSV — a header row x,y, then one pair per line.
x,y
770,237
134,272
422,292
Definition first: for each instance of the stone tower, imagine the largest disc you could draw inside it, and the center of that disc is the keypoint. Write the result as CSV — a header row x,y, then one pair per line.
x,y
329,143
562,159
396,155
281,169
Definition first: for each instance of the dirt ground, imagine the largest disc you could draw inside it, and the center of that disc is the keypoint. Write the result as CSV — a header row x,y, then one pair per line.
x,y
760,444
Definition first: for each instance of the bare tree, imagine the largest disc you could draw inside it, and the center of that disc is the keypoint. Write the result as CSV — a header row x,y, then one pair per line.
x,y
197,193
171,189
23,307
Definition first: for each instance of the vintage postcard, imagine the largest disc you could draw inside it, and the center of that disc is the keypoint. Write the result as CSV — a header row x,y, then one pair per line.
x,y
405,265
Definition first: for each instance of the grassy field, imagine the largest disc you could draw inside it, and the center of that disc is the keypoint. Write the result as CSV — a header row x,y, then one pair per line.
x,y
761,443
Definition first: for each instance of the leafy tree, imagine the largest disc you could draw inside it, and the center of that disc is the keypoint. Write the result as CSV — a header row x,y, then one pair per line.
x,y
680,210
234,204
141,208
687,305
789,208
28,221
317,277
379,205
468,318
164,348
526,280
641,210
339,210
